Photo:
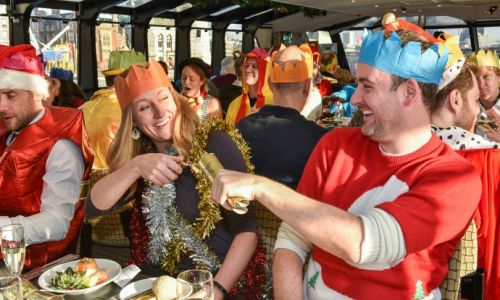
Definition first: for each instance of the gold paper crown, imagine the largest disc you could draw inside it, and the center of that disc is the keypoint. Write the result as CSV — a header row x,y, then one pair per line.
x,y
454,51
484,58
140,80
293,72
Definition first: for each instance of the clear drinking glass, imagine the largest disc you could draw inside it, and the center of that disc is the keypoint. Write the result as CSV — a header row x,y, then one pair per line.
x,y
195,285
13,247
11,288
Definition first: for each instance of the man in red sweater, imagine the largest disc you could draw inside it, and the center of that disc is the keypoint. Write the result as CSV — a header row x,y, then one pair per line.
x,y
381,207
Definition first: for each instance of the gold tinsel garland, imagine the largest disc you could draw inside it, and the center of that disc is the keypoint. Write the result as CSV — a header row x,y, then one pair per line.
x,y
210,213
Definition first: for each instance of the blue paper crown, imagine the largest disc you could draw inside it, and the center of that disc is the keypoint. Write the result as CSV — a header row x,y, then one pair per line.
x,y
390,56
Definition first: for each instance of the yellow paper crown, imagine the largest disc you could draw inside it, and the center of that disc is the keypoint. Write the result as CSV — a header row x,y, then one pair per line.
x,y
484,58
454,51
140,80
298,71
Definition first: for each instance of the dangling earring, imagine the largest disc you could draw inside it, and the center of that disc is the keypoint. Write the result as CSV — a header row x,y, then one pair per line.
x,y
136,134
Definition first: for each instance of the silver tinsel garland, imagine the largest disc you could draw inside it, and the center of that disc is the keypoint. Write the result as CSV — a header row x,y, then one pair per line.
x,y
198,250
164,222
156,200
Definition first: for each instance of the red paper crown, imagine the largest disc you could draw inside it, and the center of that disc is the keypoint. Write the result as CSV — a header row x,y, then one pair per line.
x,y
140,80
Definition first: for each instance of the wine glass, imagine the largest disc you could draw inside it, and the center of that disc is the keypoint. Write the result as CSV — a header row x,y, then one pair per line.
x,y
13,247
10,288
195,285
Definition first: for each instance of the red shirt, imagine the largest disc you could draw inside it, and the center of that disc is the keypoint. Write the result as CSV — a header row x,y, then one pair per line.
x,y
432,193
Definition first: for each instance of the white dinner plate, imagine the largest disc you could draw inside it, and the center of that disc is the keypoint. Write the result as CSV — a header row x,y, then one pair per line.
x,y
136,287
113,268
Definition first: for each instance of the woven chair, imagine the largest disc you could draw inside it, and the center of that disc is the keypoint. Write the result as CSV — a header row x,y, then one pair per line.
x,y
462,263
106,236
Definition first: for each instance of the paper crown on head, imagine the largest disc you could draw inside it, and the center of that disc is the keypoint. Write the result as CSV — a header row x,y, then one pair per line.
x,y
140,79
119,61
22,69
389,55
61,74
298,71
482,58
329,61
455,62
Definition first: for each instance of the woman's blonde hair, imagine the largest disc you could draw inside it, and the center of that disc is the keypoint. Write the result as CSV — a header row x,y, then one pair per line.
x,y
124,147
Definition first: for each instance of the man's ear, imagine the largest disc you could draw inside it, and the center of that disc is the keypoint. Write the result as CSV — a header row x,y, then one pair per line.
x,y
454,101
411,91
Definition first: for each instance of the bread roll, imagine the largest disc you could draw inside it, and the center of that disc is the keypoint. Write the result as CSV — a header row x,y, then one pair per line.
x,y
164,288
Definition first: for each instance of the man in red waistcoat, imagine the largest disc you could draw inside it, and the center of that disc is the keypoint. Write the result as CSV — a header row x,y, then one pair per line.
x,y
44,154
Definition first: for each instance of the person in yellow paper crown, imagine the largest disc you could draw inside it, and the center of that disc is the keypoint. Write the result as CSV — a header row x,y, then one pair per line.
x,y
256,91
331,71
102,112
488,78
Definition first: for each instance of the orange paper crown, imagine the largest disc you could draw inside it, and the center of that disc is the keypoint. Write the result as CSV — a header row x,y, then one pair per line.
x,y
140,80
293,72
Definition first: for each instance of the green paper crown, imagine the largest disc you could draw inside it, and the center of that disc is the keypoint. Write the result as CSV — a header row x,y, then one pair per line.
x,y
119,61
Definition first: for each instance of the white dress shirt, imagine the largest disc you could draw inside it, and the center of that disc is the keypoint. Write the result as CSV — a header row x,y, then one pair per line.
x,y
61,189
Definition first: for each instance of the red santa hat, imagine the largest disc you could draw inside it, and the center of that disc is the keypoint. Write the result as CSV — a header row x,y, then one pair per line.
x,y
22,69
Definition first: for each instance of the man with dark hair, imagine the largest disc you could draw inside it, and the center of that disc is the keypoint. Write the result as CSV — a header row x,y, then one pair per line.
x,y
44,155
383,206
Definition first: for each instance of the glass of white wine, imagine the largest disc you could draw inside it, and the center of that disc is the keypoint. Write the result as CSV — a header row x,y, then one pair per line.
x,y
195,285
10,288
13,247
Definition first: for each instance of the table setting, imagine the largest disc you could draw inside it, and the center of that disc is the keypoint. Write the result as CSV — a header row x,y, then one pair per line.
x,y
72,277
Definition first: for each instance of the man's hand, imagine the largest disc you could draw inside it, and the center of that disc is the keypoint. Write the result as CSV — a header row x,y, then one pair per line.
x,y
494,114
234,184
158,168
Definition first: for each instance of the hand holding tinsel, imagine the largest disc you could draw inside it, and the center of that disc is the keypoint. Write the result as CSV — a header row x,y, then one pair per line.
x,y
209,165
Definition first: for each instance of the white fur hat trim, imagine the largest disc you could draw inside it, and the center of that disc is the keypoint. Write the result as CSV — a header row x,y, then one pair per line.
x,y
19,80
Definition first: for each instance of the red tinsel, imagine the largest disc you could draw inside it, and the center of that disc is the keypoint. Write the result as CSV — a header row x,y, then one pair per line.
x,y
139,235
253,279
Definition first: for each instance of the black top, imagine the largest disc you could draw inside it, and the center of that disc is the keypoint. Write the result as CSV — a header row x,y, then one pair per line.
x,y
281,140
227,95
187,202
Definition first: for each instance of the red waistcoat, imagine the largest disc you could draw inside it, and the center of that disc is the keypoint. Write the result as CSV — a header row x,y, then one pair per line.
x,y
22,166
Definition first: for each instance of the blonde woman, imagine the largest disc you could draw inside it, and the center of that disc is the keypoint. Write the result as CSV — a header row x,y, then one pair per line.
x,y
155,136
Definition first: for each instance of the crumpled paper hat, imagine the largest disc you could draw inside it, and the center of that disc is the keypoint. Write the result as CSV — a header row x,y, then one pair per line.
x,y
119,61
141,78
299,71
389,55
485,58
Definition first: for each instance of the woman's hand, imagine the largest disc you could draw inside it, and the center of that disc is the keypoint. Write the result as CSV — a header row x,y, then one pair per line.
x,y
157,168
